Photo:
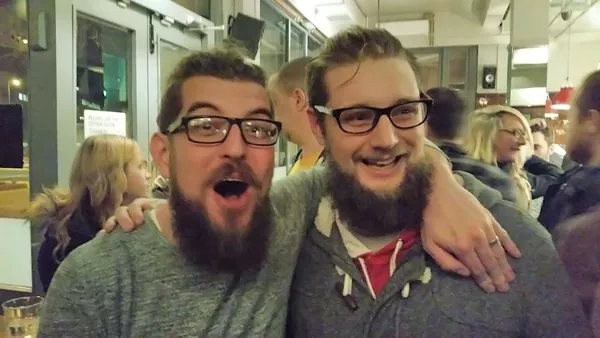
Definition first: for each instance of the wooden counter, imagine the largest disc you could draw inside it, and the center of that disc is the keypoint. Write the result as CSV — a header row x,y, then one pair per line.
x,y
14,199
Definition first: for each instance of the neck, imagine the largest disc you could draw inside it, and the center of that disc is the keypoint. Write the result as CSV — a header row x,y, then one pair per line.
x,y
311,147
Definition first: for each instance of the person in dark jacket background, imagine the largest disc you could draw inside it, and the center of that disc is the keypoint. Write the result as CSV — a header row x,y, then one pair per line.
x,y
571,207
446,124
578,190
108,171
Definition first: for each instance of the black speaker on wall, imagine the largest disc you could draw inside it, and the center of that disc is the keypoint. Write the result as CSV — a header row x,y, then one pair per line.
x,y
248,31
488,77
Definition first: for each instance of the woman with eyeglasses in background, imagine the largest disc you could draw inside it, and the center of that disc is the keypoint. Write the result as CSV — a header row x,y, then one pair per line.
x,y
500,135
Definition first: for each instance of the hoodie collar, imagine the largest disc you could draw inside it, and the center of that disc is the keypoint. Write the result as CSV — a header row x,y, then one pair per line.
x,y
331,238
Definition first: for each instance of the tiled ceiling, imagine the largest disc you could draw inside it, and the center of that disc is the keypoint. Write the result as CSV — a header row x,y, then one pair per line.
x,y
399,7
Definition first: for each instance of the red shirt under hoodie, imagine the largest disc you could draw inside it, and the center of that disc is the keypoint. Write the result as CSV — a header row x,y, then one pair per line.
x,y
377,266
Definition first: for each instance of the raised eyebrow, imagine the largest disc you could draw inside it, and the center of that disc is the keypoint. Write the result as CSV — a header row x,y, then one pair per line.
x,y
260,111
201,105
406,99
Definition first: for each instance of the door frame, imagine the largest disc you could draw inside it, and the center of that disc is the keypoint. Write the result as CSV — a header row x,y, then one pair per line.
x,y
166,33
135,20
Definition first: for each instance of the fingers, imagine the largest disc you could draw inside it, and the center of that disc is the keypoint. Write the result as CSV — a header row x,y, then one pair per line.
x,y
506,241
110,225
470,257
505,267
492,265
446,261
136,213
493,257
147,204
126,218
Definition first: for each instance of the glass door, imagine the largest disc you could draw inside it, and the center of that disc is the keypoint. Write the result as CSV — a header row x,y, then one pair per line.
x,y
111,70
170,44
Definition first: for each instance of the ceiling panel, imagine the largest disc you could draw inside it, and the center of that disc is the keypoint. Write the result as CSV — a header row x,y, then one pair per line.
x,y
399,7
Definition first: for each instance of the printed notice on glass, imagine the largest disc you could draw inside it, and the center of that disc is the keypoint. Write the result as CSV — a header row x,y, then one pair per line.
x,y
97,122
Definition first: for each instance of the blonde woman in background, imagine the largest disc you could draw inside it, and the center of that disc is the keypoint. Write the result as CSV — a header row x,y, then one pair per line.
x,y
500,136
108,171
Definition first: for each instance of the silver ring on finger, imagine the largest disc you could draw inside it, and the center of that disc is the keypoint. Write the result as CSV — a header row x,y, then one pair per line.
x,y
494,241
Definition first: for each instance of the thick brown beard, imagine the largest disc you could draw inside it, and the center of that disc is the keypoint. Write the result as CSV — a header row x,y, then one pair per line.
x,y
204,246
372,215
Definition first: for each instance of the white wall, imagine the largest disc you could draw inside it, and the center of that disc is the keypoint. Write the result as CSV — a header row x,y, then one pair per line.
x,y
15,255
576,62
580,59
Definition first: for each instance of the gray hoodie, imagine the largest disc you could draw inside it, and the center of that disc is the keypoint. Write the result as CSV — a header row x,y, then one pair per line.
x,y
330,297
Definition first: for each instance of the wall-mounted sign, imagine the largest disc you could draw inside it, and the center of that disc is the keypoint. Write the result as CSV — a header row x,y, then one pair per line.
x,y
97,122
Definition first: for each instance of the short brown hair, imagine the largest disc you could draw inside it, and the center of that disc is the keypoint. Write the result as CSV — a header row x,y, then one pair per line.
x,y
546,131
352,45
222,63
292,75
589,93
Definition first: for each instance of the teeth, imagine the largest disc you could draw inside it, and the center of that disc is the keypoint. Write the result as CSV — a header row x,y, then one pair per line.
x,y
381,163
232,180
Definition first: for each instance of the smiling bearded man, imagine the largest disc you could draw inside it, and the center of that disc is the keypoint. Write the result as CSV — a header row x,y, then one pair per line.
x,y
362,272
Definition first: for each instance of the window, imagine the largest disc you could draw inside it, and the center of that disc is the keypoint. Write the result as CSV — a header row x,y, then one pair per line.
x,y
313,46
103,70
272,56
201,7
297,42
429,64
14,158
273,43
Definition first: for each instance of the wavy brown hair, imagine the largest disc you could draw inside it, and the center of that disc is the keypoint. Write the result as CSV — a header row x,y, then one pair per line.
x,y
97,178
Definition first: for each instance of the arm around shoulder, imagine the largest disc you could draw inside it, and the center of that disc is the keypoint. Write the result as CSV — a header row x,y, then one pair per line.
x,y
298,189
71,307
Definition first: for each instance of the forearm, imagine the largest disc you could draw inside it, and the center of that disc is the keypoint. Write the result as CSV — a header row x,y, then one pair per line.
x,y
439,163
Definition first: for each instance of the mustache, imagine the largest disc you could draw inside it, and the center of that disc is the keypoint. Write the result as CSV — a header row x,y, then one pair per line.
x,y
237,166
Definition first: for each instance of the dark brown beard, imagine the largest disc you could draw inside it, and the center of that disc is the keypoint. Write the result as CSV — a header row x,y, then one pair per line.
x,y
373,215
205,247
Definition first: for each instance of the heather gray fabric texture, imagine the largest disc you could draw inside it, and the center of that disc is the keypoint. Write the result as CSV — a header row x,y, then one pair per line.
x,y
541,302
137,284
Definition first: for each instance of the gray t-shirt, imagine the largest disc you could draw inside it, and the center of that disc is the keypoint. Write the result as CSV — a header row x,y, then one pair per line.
x,y
138,285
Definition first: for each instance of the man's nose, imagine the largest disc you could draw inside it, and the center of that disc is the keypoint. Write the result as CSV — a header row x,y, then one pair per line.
x,y
234,145
385,134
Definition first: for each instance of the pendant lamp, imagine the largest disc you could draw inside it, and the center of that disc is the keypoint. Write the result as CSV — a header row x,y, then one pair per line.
x,y
549,112
562,99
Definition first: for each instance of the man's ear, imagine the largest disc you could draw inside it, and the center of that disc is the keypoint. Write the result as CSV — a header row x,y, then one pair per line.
x,y
160,149
314,125
300,99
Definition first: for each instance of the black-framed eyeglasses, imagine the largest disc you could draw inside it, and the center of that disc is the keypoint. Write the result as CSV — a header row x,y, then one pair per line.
x,y
518,133
363,119
208,129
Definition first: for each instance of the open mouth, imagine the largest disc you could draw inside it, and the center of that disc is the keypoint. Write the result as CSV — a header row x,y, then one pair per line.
x,y
228,188
382,163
